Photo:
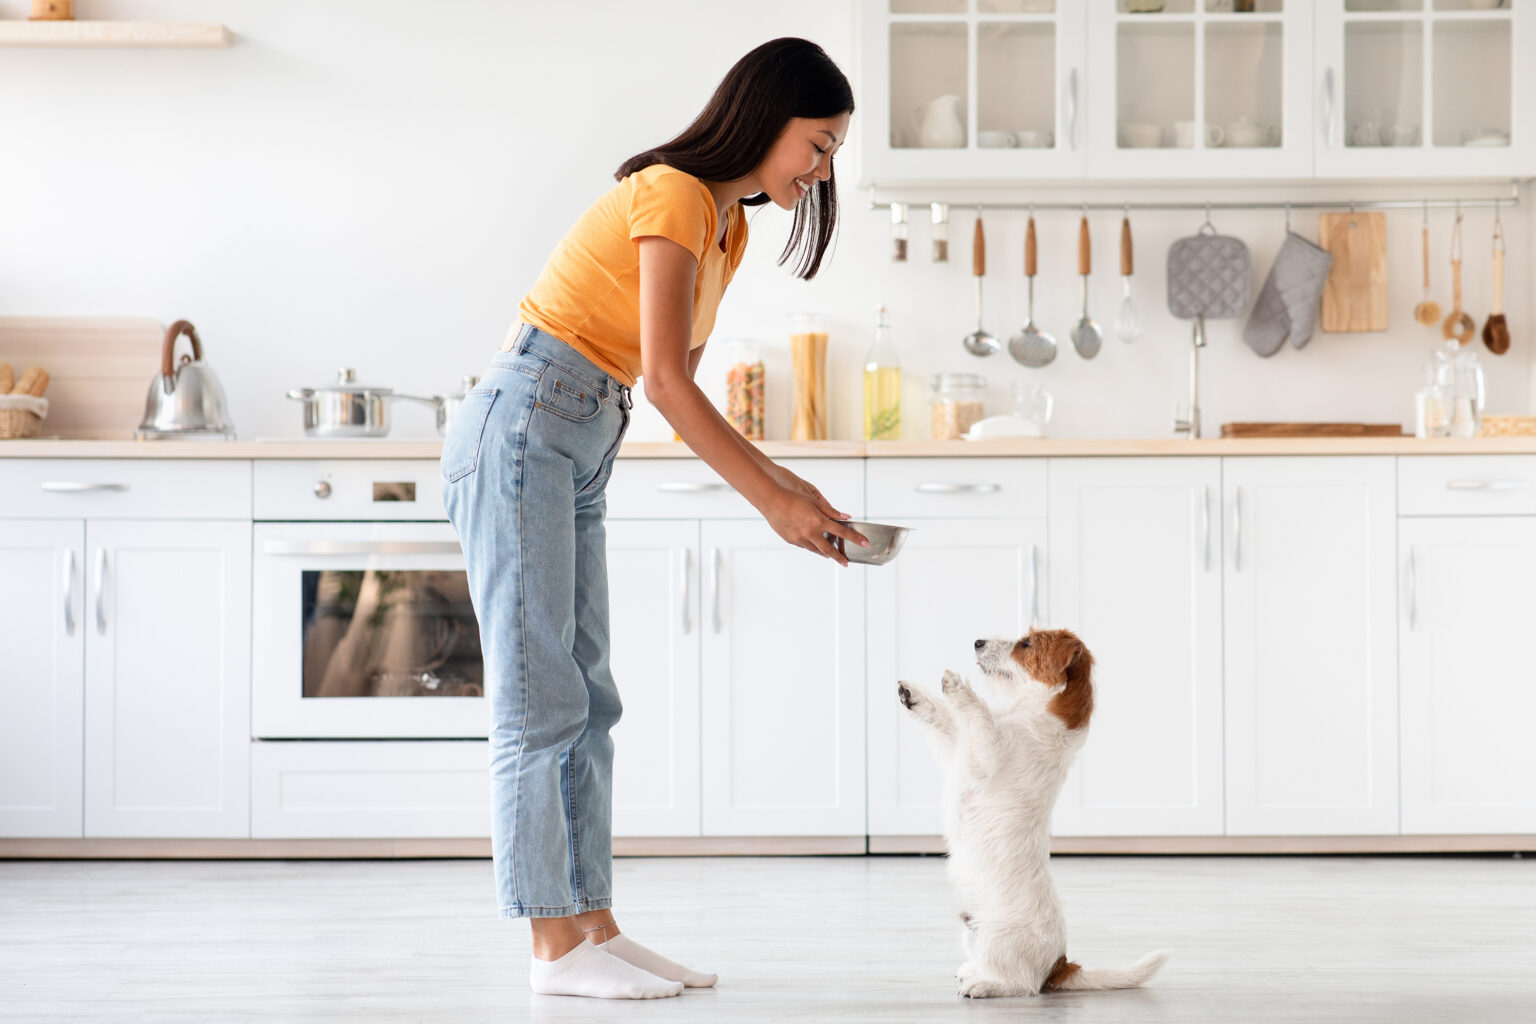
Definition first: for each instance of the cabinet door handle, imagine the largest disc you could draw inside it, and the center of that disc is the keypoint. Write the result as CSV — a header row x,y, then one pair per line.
x,y
1205,527
101,590
1072,108
687,590
938,488
1237,529
1330,107
79,487
1487,485
690,486
69,592
1413,591
714,589
1034,587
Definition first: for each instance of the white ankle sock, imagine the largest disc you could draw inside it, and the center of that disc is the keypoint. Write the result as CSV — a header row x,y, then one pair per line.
x,y
588,971
631,952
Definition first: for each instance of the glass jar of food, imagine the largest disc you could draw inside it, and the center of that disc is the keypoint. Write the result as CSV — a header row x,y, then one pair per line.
x,y
954,403
744,406
808,359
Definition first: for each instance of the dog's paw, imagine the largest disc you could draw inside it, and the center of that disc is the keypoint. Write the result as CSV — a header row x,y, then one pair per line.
x,y
953,683
909,695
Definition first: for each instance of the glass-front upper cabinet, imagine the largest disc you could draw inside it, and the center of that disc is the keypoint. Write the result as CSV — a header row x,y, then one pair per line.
x,y
1206,89
1414,88
971,90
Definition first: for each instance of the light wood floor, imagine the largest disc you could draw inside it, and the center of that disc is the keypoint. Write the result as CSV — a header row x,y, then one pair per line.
x,y
1409,940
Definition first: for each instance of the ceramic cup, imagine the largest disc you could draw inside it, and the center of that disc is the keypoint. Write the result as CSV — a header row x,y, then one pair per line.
x,y
1028,139
1134,135
1246,133
996,140
1184,134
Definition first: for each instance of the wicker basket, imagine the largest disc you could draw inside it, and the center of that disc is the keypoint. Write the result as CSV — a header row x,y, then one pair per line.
x,y
21,416
1508,426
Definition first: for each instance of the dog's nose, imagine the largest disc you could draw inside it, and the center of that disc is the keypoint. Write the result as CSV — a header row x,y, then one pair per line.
x,y
980,644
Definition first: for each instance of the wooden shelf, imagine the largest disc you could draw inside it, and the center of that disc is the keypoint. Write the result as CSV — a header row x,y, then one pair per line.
x,y
113,33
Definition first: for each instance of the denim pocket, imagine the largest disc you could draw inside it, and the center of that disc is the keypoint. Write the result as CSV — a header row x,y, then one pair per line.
x,y
568,397
461,448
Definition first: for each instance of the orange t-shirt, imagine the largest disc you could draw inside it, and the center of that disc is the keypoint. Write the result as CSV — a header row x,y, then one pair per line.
x,y
588,294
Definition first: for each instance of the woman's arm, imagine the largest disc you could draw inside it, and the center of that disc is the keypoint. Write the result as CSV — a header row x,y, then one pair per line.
x,y
666,325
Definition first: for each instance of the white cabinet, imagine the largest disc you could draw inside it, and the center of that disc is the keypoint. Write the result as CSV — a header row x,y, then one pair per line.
x,y
1468,690
167,667
654,611
1425,88
42,676
973,566
951,90
1136,572
1311,652
955,581
782,707
1194,91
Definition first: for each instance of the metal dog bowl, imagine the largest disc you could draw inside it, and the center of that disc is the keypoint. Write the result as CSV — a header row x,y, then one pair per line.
x,y
884,543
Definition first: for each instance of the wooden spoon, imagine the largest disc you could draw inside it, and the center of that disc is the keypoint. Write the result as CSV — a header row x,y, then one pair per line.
x,y
1458,325
1496,331
1427,312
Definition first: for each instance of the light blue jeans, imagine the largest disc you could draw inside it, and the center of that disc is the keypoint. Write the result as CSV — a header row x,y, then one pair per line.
x,y
525,464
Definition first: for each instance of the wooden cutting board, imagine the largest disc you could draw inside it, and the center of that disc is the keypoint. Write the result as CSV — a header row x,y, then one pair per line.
x,y
1355,297
1311,430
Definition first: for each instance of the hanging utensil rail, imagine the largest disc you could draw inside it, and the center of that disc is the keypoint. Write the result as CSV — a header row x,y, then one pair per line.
x,y
1505,202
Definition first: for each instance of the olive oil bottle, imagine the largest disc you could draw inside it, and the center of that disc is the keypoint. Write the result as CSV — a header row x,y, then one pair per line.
x,y
882,385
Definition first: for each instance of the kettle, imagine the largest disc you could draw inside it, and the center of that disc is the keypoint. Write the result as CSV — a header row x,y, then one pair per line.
x,y
184,401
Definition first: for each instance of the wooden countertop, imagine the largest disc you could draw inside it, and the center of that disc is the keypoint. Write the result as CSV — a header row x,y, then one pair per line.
x,y
1002,447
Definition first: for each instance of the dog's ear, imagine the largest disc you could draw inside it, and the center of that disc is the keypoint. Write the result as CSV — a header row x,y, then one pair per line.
x,y
1072,669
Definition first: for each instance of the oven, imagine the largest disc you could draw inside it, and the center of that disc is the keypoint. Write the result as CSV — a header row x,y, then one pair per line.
x,y
362,622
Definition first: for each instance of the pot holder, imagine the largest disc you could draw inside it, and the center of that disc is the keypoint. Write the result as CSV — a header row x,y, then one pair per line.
x,y
1209,275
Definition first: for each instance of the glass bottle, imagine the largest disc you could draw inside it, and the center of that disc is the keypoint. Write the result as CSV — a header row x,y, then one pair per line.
x,y
882,385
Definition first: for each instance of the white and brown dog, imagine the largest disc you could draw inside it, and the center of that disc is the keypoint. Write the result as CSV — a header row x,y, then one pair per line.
x,y
1003,768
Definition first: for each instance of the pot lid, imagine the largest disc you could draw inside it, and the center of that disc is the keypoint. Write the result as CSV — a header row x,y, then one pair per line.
x,y
346,383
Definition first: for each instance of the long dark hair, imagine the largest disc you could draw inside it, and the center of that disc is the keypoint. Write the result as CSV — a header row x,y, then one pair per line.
x,y
779,80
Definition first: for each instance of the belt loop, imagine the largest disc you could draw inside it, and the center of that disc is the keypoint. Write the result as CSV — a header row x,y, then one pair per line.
x,y
523,335
629,402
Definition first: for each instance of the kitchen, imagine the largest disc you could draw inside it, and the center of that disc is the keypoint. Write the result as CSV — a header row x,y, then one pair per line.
x,y
329,185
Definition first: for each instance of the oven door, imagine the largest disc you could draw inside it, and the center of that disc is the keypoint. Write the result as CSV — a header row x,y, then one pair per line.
x,y
364,630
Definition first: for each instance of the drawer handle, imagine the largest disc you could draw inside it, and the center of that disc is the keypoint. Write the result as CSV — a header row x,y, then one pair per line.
x,y
378,547
935,488
1487,485
77,487
690,487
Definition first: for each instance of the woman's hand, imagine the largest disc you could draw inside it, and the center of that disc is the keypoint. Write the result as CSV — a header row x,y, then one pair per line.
x,y
804,518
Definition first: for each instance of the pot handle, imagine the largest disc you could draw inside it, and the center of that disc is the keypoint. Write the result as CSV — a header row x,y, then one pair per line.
x,y
168,349
426,399
302,394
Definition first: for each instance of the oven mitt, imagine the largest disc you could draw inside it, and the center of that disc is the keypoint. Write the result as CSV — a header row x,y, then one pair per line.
x,y
1288,303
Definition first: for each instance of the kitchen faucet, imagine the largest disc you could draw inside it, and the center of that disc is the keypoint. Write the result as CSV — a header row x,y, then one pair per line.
x,y
1191,425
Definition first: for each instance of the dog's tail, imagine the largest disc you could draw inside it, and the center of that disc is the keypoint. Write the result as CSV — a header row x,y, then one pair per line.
x,y
1070,977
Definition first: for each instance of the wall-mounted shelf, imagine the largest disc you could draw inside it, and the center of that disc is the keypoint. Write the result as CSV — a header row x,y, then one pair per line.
x,y
113,33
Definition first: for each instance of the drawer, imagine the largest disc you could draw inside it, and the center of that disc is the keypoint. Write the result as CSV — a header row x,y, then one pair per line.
x,y
362,490
125,488
689,489
956,488
1466,485
385,790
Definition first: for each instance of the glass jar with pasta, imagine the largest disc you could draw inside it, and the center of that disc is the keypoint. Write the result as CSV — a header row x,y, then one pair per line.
x,y
744,406
808,360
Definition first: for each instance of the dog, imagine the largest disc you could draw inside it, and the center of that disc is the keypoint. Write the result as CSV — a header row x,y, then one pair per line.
x,y
1003,768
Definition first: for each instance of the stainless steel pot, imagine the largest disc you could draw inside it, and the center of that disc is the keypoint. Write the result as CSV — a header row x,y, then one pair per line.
x,y
448,406
350,409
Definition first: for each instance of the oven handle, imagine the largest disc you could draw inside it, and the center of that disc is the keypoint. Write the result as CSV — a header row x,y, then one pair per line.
x,y
363,547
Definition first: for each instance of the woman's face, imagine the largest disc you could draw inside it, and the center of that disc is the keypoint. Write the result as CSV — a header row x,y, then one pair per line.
x,y
801,157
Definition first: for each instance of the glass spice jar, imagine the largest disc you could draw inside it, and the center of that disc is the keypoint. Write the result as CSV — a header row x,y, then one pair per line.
x,y
955,403
898,232
940,233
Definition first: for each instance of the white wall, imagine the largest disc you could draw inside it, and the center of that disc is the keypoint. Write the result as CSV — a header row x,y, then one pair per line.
x,y
374,183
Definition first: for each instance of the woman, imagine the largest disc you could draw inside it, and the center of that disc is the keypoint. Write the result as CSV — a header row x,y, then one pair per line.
x,y
630,292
